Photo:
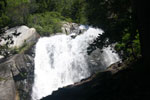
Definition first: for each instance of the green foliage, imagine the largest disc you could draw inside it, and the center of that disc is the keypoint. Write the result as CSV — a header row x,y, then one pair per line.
x,y
23,48
17,11
13,12
2,79
4,20
116,18
136,45
112,16
2,6
73,9
61,6
79,11
46,23
128,48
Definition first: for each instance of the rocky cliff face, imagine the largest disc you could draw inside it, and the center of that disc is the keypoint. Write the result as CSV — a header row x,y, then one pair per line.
x,y
16,77
7,84
16,70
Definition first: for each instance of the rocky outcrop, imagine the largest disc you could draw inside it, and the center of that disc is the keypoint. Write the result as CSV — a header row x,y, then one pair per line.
x,y
16,70
16,77
15,39
96,61
68,28
73,28
18,36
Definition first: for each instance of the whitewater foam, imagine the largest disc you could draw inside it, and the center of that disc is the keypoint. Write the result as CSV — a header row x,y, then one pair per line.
x,y
61,60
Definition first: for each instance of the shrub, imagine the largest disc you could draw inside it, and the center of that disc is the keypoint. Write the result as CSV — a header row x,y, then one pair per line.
x,y
129,48
46,23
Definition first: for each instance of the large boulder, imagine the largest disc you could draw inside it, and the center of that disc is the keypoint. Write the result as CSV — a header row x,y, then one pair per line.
x,y
18,36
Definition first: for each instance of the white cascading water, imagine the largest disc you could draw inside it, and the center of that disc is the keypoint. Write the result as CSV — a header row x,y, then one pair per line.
x,y
61,60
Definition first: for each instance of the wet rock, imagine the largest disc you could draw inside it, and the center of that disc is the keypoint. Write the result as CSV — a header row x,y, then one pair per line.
x,y
95,61
69,28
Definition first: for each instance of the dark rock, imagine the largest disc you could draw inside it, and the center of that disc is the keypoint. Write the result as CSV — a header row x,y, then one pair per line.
x,y
125,82
95,61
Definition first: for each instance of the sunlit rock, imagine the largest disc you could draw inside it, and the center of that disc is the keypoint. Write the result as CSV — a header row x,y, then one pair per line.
x,y
18,36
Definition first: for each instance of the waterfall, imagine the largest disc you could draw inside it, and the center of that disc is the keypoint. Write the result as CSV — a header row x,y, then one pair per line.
x,y
61,60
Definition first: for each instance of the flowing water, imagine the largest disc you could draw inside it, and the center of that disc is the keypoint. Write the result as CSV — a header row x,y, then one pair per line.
x,y
61,60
